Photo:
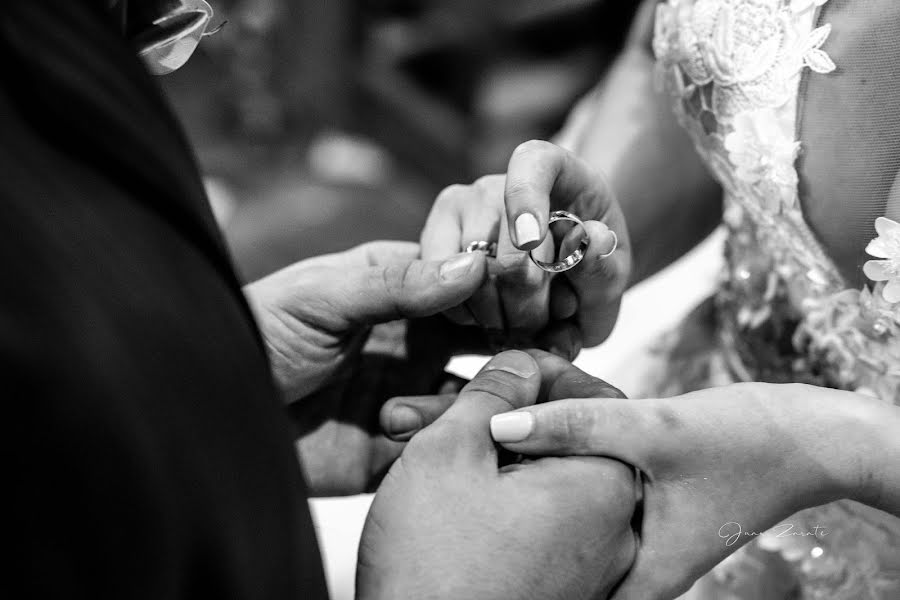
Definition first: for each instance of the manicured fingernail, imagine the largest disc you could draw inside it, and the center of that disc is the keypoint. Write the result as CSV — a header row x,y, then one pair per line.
x,y
511,427
513,361
527,229
404,420
457,266
607,243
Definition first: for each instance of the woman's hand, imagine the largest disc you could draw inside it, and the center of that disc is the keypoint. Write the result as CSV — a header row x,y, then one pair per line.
x,y
522,304
751,454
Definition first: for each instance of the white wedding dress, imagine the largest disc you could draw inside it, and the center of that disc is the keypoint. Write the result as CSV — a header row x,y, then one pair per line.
x,y
794,105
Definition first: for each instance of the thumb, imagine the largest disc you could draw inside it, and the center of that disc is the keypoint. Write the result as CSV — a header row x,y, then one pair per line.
x,y
627,430
392,287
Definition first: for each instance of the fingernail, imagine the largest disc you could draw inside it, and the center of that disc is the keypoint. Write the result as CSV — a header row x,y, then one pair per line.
x,y
513,361
527,229
511,427
608,243
404,420
458,266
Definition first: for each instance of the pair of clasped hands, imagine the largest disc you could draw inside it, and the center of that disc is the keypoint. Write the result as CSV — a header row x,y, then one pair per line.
x,y
535,479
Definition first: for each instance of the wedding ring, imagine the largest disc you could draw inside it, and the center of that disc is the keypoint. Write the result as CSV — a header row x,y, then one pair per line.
x,y
576,256
489,248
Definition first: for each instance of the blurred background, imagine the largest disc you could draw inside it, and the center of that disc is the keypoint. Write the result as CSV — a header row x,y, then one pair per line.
x,y
321,124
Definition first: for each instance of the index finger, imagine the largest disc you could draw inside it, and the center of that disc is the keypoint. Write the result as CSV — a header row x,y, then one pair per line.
x,y
542,177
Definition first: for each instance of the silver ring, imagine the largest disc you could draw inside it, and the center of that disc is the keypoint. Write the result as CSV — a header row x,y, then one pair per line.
x,y
576,256
615,245
489,248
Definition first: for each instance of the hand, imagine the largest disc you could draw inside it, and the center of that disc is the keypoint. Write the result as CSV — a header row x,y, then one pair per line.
x,y
334,357
316,315
450,522
521,302
751,454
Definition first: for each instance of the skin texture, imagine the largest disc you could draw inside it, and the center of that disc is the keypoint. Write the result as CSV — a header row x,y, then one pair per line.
x,y
348,331
747,453
559,312
451,520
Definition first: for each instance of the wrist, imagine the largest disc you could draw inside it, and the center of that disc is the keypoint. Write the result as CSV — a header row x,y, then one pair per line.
x,y
866,451
881,454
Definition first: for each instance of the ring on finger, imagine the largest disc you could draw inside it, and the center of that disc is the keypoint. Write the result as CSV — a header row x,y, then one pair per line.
x,y
489,248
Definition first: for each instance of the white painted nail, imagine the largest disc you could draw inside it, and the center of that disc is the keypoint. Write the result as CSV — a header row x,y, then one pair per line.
x,y
527,229
511,427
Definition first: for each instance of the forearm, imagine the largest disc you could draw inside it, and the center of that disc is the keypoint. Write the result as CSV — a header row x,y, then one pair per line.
x,y
627,130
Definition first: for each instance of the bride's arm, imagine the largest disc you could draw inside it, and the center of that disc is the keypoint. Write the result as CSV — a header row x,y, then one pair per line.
x,y
743,457
626,129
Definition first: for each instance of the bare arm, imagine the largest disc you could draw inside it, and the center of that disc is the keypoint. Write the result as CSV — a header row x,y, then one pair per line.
x,y
626,129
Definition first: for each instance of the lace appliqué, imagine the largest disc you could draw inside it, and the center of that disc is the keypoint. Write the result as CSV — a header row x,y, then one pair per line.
x,y
734,68
886,248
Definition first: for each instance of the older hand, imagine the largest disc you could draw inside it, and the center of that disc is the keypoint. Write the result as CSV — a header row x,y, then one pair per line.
x,y
524,305
747,454
450,521
337,361
316,315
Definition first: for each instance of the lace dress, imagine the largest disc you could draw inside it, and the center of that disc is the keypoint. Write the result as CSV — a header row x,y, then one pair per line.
x,y
795,117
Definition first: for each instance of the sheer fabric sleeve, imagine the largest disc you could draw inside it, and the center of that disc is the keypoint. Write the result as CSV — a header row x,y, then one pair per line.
x,y
849,126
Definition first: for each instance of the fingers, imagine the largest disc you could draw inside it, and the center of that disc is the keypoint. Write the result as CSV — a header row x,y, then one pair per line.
x,y
563,300
461,215
561,379
508,381
524,289
562,339
600,279
391,289
442,233
402,418
622,429
542,177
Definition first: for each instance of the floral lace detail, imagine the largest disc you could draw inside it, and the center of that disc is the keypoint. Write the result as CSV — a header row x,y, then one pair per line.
x,y
733,68
887,248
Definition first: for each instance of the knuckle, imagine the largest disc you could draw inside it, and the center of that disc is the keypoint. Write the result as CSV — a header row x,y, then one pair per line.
x,y
393,280
496,384
487,182
520,188
535,147
572,427
452,193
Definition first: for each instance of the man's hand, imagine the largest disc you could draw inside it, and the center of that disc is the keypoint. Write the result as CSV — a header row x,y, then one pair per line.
x,y
316,315
337,360
449,521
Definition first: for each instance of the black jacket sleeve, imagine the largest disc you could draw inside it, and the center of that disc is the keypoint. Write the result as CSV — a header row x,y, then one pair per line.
x,y
150,454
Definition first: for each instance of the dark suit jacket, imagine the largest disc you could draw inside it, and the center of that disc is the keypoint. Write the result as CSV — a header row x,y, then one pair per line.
x,y
150,455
